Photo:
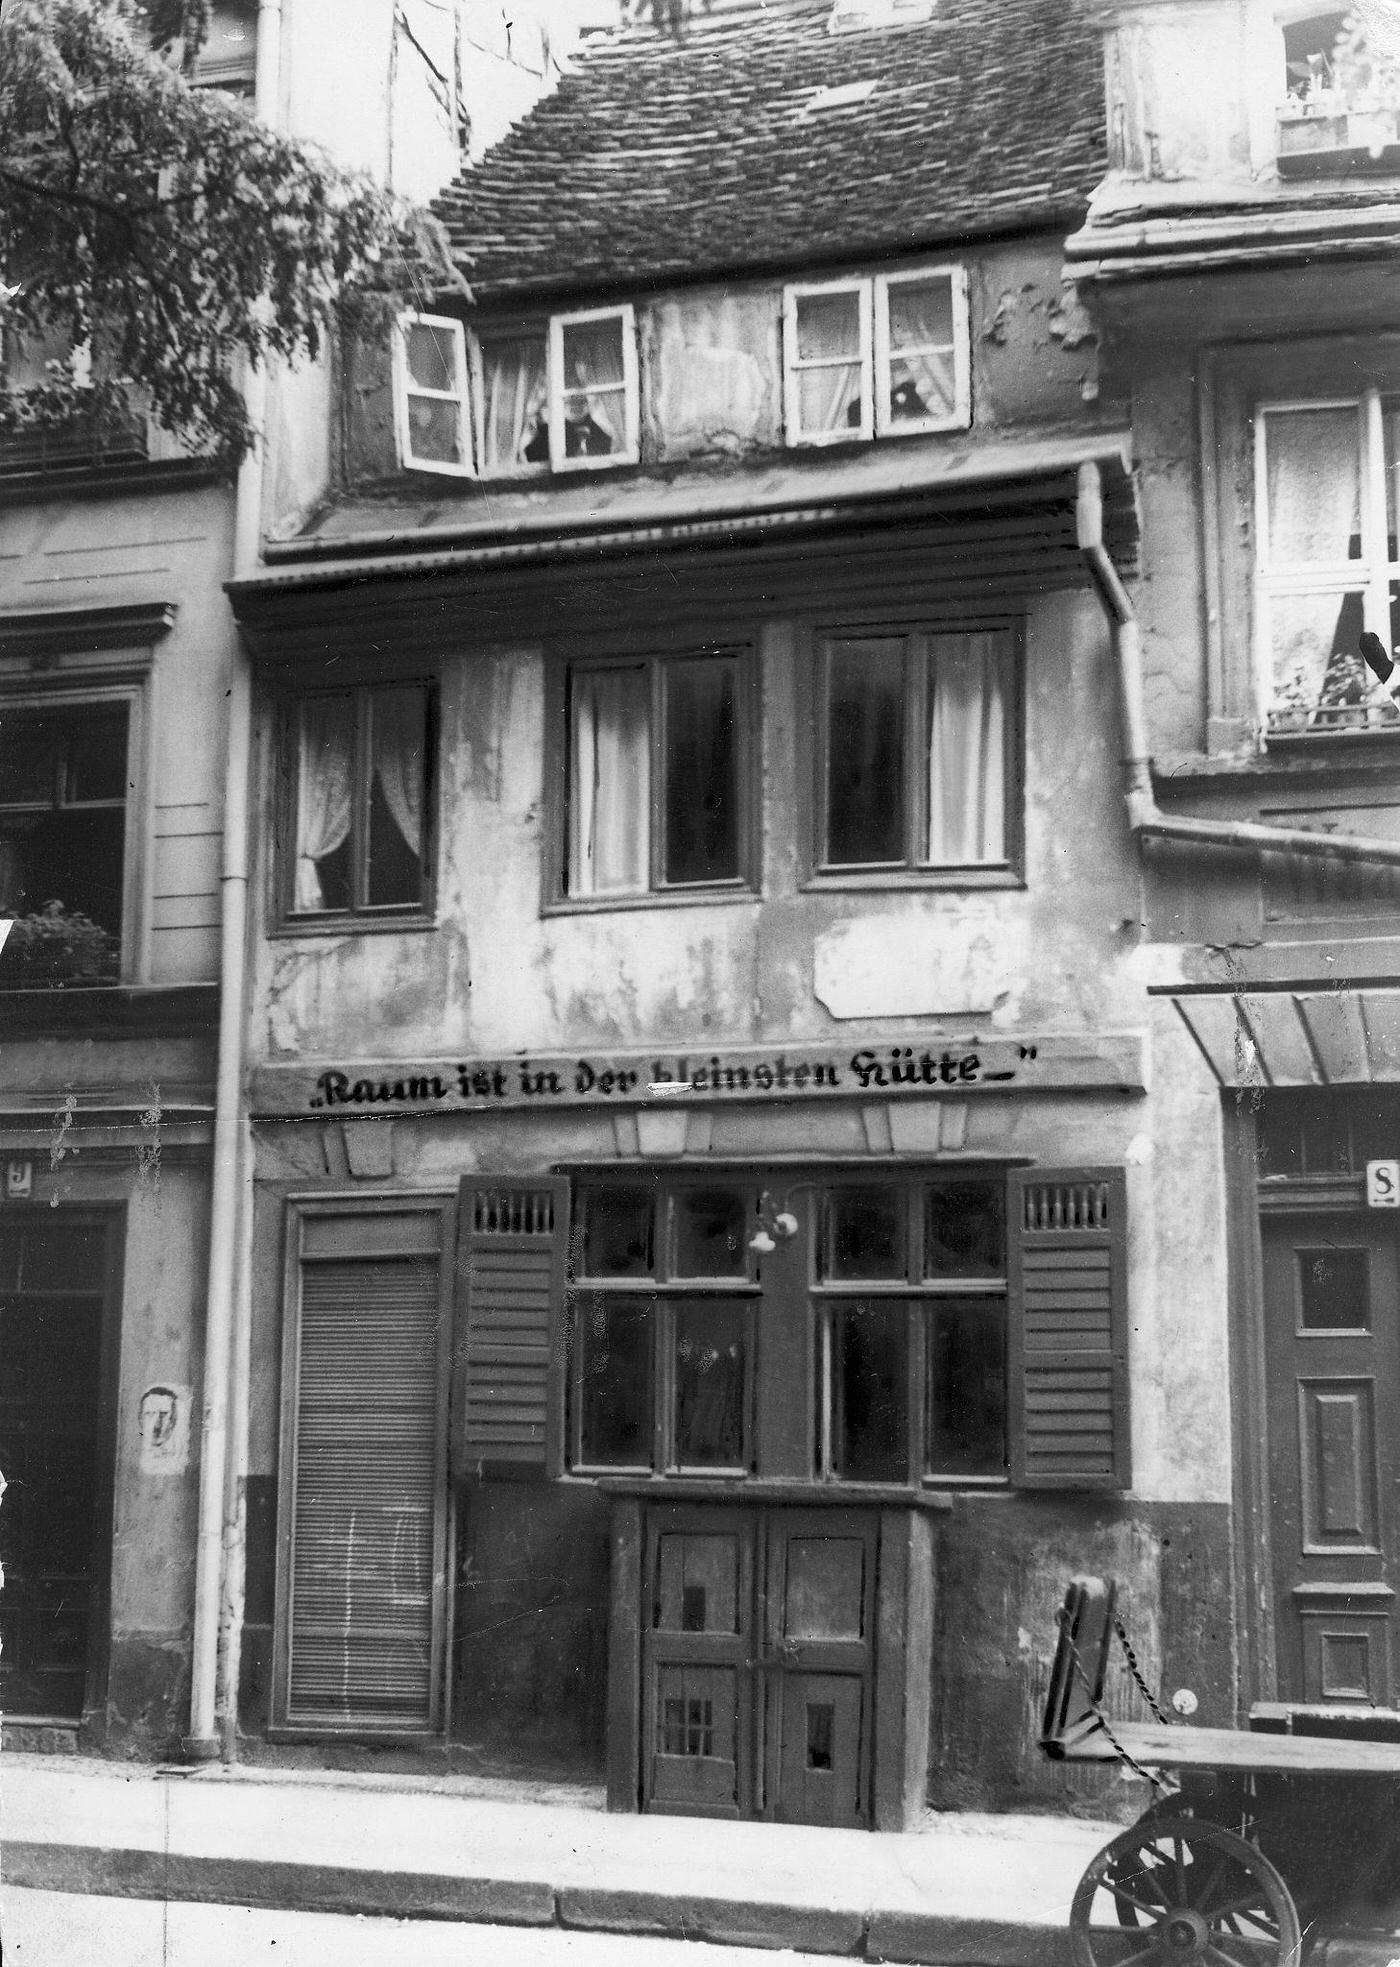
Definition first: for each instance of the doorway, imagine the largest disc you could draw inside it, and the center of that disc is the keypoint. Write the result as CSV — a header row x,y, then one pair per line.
x,y
1332,1369
757,1658
56,1288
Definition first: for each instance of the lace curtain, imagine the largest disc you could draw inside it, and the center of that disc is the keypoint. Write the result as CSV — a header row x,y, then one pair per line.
x,y
595,396
922,381
967,750
1314,497
516,397
610,782
828,339
324,767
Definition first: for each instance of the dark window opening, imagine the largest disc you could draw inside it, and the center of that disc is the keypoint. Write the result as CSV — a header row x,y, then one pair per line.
x,y
870,1392
361,801
1317,1132
711,1378
820,1718
63,789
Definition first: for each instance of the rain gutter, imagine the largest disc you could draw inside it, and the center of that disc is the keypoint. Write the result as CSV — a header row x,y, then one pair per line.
x,y
1145,817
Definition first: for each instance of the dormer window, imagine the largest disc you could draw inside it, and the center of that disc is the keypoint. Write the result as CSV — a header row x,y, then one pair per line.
x,y
560,395
886,356
1340,107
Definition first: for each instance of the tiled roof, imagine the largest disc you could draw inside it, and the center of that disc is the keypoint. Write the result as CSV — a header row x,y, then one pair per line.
x,y
669,154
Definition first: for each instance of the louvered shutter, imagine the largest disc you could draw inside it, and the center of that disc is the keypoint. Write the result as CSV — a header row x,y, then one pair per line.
x,y
364,1479
512,1248
1068,1359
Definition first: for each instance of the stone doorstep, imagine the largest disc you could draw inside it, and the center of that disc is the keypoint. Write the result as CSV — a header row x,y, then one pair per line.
x,y
38,1738
920,1937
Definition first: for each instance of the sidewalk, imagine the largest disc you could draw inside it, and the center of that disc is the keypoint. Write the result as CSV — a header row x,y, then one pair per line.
x,y
989,1890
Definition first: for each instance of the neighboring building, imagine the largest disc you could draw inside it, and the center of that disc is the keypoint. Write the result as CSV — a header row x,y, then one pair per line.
x,y
1240,260
709,1204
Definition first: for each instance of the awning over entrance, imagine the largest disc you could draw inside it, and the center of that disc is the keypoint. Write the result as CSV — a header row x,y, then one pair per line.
x,y
1297,1038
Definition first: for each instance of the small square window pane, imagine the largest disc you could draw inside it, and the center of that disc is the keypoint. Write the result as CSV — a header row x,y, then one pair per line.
x,y
609,781
830,399
1318,676
921,313
594,395
711,1370
397,796
325,797
616,1232
435,430
966,1353
96,748
1313,486
515,403
1335,1290
613,1336
828,327
865,753
712,1226
697,1583
31,757
964,1230
702,780
870,1392
864,1234
432,357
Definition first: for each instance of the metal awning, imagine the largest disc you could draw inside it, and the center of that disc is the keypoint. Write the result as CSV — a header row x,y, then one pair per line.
x,y
1284,1038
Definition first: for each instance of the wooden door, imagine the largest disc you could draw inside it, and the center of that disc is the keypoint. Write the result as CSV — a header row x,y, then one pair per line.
x,y
698,1664
52,1545
1332,1316
819,1614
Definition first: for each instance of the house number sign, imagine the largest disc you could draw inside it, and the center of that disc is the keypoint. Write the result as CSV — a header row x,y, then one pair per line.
x,y
888,1067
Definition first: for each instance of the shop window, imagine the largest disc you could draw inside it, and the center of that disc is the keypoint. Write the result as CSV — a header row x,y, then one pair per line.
x,y
881,357
360,795
1327,562
917,751
64,783
658,758
559,395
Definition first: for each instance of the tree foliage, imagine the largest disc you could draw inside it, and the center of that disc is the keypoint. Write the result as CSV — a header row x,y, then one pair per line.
x,y
164,236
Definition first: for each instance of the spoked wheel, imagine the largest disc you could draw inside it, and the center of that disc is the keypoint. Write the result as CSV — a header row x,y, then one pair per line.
x,y
1182,1892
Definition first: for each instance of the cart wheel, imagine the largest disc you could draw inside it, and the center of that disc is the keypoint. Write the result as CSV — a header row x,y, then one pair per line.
x,y
1189,1894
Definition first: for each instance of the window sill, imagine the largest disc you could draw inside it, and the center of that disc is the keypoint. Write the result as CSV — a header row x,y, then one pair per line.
x,y
660,898
1286,758
349,925
760,1489
910,880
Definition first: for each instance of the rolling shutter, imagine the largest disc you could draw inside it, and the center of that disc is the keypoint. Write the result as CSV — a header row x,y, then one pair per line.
x,y
364,1480
1069,1329
512,1245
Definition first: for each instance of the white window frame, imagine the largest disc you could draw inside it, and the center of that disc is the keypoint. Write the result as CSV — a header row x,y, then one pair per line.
x,y
793,366
631,451
961,414
1371,576
404,387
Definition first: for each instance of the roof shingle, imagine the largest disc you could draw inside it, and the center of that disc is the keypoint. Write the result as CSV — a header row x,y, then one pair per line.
x,y
666,155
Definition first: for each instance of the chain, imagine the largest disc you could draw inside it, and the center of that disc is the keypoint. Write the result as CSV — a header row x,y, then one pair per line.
x,y
1136,1671
1162,1787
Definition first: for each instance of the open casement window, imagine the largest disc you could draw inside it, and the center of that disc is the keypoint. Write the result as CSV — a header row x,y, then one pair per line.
x,y
507,1372
361,1615
918,735
663,1330
658,764
560,396
1068,1354
431,394
65,774
888,357
1327,566
360,794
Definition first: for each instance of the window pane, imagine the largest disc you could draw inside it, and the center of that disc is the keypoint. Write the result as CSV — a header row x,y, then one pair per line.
x,y
614,1382
397,796
1316,659
922,380
1313,461
1335,1290
697,1583
710,1372
616,1231
702,789
431,357
31,757
870,1392
828,327
609,781
864,1234
325,767
828,335
711,1232
966,750
964,1231
96,753
63,864
1390,425
865,752
435,430
515,403
966,1348
829,399
595,400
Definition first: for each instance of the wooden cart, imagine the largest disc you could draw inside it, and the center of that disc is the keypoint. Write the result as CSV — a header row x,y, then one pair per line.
x,y
1261,1842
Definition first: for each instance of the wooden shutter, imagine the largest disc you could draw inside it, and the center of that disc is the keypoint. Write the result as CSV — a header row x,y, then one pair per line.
x,y
1069,1329
364,1490
512,1249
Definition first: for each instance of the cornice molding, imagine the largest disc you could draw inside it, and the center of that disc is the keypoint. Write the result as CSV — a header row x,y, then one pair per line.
x,y
67,631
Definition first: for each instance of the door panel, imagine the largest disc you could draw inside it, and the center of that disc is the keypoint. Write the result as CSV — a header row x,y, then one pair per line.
x,y
1332,1319
821,1757
820,1615
697,1668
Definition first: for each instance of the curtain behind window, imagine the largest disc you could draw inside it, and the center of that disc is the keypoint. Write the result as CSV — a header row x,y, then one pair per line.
x,y
609,781
595,397
967,749
1313,471
324,766
515,394
922,379
828,338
